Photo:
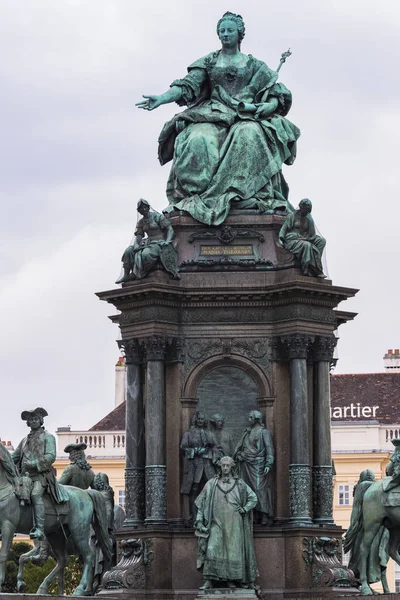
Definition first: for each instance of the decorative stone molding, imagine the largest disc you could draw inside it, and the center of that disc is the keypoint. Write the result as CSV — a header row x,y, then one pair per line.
x,y
196,351
130,572
324,554
155,347
132,351
156,493
134,501
323,348
225,235
322,493
299,492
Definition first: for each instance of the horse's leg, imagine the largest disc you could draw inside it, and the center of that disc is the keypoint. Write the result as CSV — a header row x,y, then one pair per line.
x,y
365,547
82,540
7,534
57,543
40,551
385,585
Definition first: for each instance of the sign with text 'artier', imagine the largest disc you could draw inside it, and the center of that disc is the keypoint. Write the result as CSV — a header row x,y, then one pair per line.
x,y
354,411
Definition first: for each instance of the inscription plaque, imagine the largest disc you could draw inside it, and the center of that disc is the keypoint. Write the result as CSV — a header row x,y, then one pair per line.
x,y
238,250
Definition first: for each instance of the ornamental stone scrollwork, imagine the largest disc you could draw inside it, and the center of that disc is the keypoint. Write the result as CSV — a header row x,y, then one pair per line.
x,y
297,345
322,493
324,555
323,348
223,263
132,350
154,347
257,350
225,235
197,351
130,572
134,503
156,494
299,491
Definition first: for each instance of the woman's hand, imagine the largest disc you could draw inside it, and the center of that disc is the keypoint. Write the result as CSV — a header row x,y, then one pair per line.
x,y
266,109
150,102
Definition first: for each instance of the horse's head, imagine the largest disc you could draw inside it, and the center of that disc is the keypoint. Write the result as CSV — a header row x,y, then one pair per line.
x,y
7,464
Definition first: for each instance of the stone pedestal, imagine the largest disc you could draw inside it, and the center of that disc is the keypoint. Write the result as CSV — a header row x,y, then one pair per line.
x,y
241,330
226,594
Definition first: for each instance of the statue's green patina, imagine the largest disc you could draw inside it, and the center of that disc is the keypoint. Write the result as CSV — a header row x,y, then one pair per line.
x,y
378,553
255,455
298,235
225,530
228,147
83,510
377,506
146,252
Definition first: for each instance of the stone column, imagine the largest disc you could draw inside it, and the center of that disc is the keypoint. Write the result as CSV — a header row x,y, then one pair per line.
x,y
156,468
299,469
134,444
322,468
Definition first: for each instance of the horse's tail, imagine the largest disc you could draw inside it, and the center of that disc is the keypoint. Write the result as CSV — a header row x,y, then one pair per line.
x,y
100,524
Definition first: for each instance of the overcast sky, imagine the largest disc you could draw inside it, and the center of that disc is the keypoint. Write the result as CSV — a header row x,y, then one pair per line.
x,y
76,155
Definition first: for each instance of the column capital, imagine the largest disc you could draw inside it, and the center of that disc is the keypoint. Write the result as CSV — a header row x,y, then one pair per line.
x,y
297,345
155,347
174,352
132,350
324,347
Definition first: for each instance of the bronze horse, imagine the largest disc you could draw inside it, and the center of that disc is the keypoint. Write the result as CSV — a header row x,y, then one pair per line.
x,y
373,516
85,508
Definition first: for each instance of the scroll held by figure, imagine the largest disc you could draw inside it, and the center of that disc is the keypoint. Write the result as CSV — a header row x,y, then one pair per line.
x,y
229,145
255,456
224,528
153,246
298,235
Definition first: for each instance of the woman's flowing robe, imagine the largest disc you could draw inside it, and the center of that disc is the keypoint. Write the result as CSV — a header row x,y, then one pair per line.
x,y
221,154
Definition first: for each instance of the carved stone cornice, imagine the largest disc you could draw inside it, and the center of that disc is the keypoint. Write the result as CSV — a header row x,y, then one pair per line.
x,y
323,348
132,351
155,347
297,345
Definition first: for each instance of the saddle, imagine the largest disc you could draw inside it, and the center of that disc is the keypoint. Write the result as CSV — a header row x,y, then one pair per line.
x,y
54,509
391,492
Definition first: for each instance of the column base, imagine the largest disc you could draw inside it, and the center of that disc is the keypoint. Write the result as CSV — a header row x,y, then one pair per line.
x,y
300,522
132,524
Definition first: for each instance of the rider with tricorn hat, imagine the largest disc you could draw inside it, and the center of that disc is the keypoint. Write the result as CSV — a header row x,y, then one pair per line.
x,y
34,458
79,472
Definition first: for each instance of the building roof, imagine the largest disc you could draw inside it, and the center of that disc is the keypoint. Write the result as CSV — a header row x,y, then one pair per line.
x,y
114,421
381,390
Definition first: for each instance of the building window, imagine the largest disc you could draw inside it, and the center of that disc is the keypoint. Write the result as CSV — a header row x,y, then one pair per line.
x,y
397,578
345,559
121,498
344,495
